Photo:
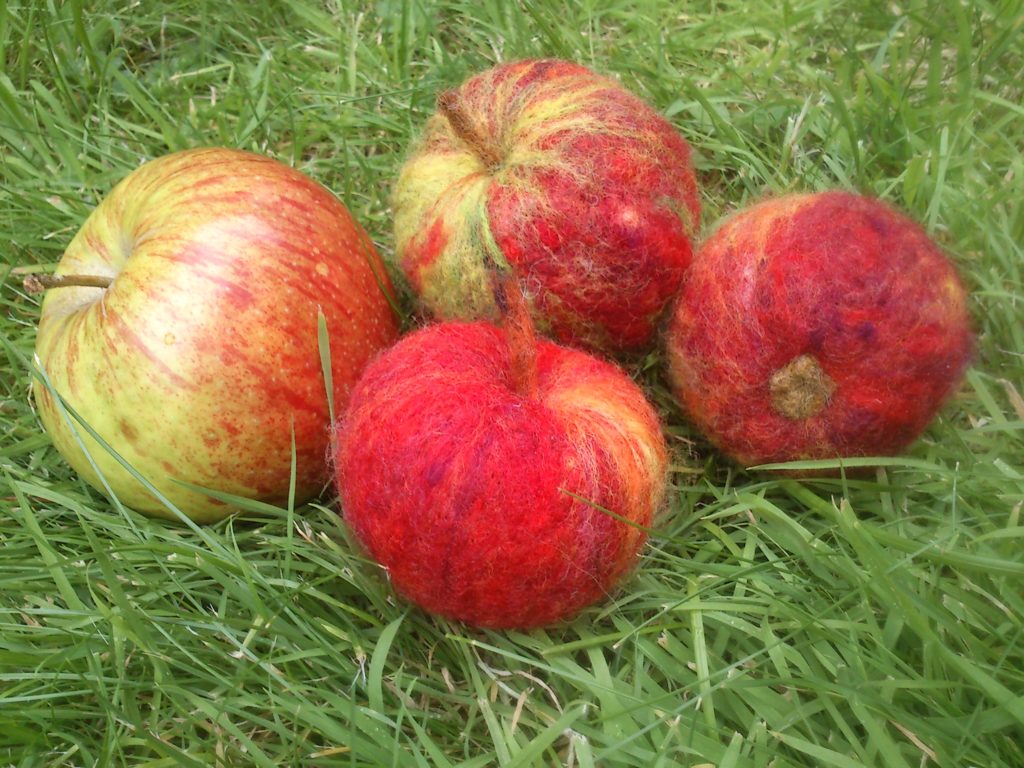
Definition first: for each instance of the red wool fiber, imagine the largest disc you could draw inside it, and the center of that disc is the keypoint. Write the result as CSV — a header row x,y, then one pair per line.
x,y
583,188
474,474
817,326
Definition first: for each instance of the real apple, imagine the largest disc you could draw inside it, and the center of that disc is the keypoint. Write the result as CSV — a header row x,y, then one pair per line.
x,y
194,352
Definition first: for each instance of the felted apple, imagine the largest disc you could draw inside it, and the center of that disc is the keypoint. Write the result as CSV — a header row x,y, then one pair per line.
x,y
182,325
580,186
502,480
817,326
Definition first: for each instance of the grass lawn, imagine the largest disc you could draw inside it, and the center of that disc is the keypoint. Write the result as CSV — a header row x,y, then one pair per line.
x,y
869,621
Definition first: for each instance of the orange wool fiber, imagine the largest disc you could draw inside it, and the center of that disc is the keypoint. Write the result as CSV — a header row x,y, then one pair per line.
x,y
580,186
817,326
500,487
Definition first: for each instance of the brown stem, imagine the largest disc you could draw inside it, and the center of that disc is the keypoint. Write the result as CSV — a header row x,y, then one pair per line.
x,y
37,282
801,388
519,331
449,104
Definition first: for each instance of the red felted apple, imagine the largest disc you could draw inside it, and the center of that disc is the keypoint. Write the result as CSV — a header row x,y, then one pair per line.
x,y
182,327
501,480
817,326
557,171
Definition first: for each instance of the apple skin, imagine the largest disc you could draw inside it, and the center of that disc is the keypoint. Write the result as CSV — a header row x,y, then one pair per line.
x,y
201,358
586,191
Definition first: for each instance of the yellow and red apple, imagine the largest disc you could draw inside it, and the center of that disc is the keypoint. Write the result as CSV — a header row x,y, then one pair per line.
x,y
200,361
558,172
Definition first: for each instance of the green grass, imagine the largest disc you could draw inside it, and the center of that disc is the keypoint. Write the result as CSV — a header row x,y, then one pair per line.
x,y
871,621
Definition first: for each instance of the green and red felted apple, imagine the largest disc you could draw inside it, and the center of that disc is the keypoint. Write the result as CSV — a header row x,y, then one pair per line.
x,y
194,353
558,172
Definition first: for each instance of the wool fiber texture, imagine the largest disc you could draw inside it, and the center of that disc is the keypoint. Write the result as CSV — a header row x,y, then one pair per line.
x,y
580,186
817,326
487,499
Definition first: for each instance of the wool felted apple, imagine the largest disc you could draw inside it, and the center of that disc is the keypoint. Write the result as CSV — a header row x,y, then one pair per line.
x,y
183,328
817,326
559,172
498,477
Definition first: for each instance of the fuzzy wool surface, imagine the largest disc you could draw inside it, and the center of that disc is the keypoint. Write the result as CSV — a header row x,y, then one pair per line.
x,y
833,307
592,199
490,506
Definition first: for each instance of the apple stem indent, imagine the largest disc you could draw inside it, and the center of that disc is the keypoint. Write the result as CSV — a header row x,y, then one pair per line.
x,y
466,129
519,331
38,282
800,389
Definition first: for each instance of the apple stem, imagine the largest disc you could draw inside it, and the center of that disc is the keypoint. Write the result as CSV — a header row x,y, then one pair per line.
x,y
449,104
519,331
801,389
37,282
